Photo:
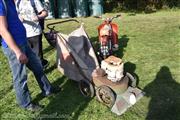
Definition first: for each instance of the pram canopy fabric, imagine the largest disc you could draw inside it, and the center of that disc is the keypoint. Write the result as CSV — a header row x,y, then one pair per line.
x,y
75,55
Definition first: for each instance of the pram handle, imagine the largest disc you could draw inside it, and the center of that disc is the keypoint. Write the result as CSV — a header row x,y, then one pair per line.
x,y
70,20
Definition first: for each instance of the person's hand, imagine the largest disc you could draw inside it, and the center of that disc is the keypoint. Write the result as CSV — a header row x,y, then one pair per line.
x,y
22,57
46,5
35,18
21,18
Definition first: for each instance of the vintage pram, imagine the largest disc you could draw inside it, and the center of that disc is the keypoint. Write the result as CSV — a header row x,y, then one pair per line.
x,y
77,60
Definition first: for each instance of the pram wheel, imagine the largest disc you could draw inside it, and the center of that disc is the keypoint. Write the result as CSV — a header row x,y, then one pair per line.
x,y
133,80
105,95
86,88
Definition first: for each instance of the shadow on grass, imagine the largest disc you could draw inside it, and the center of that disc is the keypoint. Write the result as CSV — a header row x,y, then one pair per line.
x,y
68,104
130,68
95,43
51,68
47,49
164,92
123,41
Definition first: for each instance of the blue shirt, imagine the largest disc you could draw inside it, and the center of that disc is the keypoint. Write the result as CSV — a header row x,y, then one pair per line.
x,y
15,26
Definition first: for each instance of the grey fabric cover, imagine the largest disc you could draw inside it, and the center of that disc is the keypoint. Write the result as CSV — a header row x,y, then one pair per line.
x,y
75,55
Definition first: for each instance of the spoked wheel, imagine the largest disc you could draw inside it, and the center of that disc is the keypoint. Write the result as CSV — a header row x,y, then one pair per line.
x,y
86,88
105,95
133,80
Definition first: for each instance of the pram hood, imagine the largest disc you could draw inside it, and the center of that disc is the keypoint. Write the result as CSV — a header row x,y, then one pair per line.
x,y
75,55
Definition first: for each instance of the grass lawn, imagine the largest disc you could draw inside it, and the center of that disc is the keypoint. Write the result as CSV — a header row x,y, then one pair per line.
x,y
150,47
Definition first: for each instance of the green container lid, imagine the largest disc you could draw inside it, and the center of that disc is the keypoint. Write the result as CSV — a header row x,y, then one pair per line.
x,y
81,8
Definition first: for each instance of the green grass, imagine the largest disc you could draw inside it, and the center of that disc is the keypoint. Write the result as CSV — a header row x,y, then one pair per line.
x,y
150,47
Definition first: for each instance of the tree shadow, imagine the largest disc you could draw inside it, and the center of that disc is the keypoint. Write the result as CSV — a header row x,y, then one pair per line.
x,y
47,49
51,68
68,104
164,92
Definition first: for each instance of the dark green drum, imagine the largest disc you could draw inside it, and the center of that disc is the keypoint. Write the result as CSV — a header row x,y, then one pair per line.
x,y
96,7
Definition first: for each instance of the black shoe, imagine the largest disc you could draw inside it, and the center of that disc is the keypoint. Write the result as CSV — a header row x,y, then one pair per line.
x,y
45,63
54,90
33,107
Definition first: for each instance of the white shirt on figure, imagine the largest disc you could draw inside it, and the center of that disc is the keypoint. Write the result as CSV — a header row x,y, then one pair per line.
x,y
27,12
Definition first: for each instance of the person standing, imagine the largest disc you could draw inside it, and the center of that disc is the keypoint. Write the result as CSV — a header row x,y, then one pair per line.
x,y
41,21
32,15
20,56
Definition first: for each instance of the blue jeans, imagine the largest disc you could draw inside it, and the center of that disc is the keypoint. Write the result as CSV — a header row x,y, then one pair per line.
x,y
20,74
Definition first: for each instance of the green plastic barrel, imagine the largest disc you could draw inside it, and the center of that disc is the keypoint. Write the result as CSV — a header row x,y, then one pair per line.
x,y
55,8
51,13
96,7
64,9
51,9
81,8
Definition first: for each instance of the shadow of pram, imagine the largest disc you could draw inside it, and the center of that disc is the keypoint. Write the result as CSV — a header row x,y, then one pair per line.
x,y
68,104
